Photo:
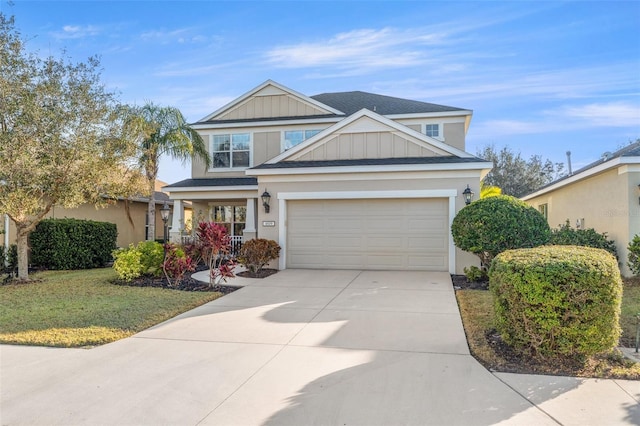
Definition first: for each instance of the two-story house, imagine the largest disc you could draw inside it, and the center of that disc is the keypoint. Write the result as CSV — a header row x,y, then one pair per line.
x,y
348,180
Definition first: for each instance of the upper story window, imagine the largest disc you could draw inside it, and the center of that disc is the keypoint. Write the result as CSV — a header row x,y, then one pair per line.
x,y
231,150
433,130
295,137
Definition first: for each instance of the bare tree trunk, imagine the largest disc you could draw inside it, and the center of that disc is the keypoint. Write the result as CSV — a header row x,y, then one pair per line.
x,y
22,240
151,212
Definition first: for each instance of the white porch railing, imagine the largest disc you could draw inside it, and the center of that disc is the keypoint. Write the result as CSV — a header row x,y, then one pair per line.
x,y
236,242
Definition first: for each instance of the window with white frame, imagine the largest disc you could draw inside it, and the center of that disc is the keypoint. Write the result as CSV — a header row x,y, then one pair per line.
x,y
231,150
295,137
232,217
432,130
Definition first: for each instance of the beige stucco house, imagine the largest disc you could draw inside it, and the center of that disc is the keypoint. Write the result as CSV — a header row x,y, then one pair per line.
x,y
356,180
603,195
130,217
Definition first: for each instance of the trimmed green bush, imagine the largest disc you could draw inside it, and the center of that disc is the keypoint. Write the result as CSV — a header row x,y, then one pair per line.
x,y
72,244
634,255
557,301
492,225
565,235
145,258
256,253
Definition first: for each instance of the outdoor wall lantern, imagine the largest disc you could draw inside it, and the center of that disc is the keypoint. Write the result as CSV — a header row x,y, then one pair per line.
x,y
468,195
266,197
164,214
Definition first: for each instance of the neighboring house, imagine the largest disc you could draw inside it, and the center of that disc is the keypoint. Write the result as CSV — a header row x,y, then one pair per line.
x,y
132,227
356,180
603,195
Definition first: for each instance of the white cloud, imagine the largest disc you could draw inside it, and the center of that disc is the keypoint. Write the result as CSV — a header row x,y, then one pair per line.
x,y
612,114
361,49
180,35
77,31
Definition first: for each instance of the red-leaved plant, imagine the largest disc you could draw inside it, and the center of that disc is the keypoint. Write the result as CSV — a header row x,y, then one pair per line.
x,y
214,244
176,264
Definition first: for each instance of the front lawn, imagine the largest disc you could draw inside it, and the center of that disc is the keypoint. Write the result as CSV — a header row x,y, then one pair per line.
x,y
83,308
476,308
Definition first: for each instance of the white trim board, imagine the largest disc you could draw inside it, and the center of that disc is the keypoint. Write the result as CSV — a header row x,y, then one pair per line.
x,y
283,197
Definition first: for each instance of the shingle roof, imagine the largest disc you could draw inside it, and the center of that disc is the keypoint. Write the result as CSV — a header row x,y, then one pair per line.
x,y
351,102
201,182
632,150
369,162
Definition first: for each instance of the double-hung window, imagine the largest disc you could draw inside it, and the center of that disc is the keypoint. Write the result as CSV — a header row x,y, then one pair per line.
x,y
295,137
231,150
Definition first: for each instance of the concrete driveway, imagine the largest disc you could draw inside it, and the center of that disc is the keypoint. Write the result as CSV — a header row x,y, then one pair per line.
x,y
301,347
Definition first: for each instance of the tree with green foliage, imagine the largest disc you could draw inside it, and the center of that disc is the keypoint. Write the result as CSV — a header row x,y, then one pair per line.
x,y
492,225
515,175
163,130
62,139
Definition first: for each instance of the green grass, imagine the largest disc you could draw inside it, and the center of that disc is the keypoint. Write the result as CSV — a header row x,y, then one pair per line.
x,y
476,309
83,308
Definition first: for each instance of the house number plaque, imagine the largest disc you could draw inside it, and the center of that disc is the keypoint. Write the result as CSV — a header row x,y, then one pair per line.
x,y
269,223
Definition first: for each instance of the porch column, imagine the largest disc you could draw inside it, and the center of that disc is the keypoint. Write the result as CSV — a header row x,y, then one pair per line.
x,y
250,232
177,223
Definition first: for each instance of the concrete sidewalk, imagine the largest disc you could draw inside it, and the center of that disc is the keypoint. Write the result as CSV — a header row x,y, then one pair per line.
x,y
302,347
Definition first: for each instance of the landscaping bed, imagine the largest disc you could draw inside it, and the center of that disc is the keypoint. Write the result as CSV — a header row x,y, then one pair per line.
x,y
486,345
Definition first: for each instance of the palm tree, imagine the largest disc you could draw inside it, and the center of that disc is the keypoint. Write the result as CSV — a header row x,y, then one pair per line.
x,y
164,131
489,191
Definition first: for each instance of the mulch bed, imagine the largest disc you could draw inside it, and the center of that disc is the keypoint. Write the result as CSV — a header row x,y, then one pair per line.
x,y
460,283
264,273
190,284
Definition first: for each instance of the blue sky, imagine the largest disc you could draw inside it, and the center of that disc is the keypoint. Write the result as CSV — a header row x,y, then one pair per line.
x,y
542,77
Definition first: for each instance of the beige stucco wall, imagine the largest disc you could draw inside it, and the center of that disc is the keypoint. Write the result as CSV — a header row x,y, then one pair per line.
x,y
456,180
608,202
127,233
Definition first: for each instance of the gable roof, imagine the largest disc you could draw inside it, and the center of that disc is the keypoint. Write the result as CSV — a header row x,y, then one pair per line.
x,y
270,84
351,102
365,113
334,105
630,154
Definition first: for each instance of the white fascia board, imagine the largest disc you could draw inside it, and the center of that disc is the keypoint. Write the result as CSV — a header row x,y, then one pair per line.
x,y
370,168
430,114
255,90
264,123
213,188
349,195
616,162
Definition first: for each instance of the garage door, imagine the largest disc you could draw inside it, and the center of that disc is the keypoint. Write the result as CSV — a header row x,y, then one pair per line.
x,y
385,234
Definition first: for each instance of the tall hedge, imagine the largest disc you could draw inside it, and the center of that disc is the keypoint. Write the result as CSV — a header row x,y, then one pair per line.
x,y
72,244
557,301
492,225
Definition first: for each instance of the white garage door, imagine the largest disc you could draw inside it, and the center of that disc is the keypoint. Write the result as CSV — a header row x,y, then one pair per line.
x,y
407,234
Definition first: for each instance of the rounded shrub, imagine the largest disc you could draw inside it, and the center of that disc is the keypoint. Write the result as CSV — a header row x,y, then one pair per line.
x,y
634,255
557,301
492,225
258,252
565,235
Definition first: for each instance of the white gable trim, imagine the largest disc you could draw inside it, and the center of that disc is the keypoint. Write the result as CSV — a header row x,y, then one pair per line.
x,y
434,143
280,87
616,162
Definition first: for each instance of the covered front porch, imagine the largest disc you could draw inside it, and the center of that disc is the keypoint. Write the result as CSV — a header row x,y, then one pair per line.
x,y
231,202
